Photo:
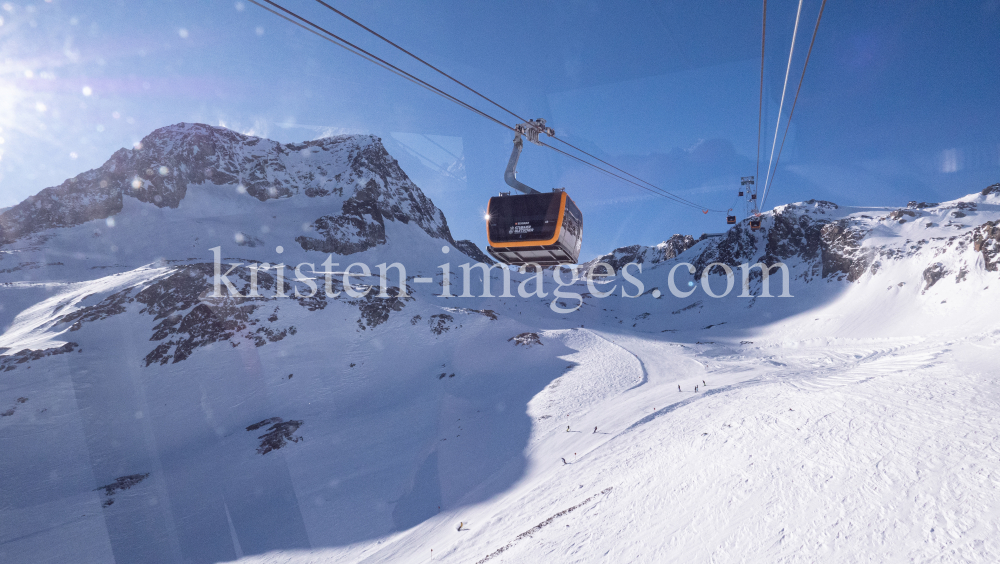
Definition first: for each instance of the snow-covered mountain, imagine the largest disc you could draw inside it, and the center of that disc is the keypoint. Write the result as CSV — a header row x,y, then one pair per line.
x,y
352,173
642,254
146,419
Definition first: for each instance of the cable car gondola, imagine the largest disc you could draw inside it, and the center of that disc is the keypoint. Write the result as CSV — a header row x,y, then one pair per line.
x,y
543,228
755,224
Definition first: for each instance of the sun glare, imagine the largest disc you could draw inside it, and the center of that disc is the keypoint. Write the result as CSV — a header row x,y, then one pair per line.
x,y
23,110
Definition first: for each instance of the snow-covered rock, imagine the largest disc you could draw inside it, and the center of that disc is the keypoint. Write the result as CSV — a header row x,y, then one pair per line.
x,y
351,175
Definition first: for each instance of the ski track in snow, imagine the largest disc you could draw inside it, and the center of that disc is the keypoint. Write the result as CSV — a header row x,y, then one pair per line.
x,y
867,453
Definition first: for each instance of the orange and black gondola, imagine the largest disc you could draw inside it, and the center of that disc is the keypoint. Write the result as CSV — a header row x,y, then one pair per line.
x,y
542,228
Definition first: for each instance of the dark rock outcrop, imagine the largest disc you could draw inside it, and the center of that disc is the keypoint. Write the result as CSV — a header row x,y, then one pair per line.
x,y
525,339
121,483
641,254
278,435
473,251
986,240
440,323
375,310
932,274
389,196
830,248
26,356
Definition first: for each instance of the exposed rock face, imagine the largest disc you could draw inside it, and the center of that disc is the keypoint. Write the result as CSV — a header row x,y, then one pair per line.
x,y
278,435
798,232
440,323
932,274
121,483
26,356
738,243
160,169
351,231
80,199
642,254
473,251
375,310
842,252
831,244
525,339
674,246
189,316
388,196
986,240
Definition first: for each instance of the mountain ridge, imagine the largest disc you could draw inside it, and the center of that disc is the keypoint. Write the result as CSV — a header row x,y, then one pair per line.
x,y
160,168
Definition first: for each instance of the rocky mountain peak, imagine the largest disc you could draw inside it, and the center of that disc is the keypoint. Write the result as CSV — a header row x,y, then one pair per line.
x,y
354,171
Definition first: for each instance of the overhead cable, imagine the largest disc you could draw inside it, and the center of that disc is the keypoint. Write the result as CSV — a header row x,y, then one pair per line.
x,y
339,44
794,101
784,88
674,199
439,71
393,67
343,43
760,102
498,105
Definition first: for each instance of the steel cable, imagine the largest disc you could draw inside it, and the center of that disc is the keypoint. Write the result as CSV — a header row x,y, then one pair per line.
x,y
794,101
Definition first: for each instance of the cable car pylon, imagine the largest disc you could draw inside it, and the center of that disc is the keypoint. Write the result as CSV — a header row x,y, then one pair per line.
x,y
748,189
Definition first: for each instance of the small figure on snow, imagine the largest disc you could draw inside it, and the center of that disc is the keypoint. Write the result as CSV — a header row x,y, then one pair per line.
x,y
678,387
595,429
564,461
567,428
460,523
696,389
703,383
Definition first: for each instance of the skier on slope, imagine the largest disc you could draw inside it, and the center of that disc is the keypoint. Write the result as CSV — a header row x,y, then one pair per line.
x,y
564,461
696,389
678,387
595,429
460,523
567,428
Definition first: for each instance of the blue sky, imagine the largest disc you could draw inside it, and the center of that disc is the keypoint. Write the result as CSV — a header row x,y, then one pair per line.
x,y
899,102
